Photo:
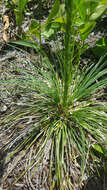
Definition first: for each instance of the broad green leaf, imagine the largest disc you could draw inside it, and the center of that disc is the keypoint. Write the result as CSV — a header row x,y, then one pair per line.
x,y
98,148
98,12
55,25
85,8
83,11
79,22
53,12
60,20
101,47
27,44
34,24
14,1
34,28
47,33
86,29
34,45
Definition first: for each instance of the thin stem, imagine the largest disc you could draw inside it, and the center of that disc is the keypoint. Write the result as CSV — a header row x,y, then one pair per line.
x,y
67,65
40,17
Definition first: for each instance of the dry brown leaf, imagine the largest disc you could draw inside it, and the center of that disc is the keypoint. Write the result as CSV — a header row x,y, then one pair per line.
x,y
5,29
6,22
5,36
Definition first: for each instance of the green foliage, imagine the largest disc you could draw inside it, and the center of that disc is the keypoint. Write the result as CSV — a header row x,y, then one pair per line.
x,y
67,109
18,6
101,47
101,153
84,16
100,149
54,11
71,129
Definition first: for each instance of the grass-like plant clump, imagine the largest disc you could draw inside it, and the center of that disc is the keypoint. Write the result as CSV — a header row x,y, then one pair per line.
x,y
67,111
